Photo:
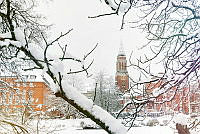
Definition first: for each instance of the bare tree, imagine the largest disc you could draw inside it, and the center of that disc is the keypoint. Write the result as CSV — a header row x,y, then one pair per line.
x,y
23,38
107,96
172,29
173,34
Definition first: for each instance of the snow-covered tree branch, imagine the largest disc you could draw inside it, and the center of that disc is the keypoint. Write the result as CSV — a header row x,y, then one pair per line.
x,y
23,37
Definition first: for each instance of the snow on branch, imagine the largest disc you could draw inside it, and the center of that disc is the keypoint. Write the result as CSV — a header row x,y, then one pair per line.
x,y
95,112
25,39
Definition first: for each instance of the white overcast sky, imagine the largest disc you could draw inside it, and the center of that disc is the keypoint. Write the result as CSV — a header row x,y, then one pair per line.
x,y
67,14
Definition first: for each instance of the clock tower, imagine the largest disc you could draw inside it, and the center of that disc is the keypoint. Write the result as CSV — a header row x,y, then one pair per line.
x,y
121,76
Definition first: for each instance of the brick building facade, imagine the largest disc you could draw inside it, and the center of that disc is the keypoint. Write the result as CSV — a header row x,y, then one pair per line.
x,y
17,93
172,101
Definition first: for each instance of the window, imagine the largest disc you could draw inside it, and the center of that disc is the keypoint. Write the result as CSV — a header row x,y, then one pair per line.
x,y
123,84
6,109
18,84
24,84
18,99
30,96
10,98
3,97
25,77
17,91
18,96
31,84
24,96
32,76
11,84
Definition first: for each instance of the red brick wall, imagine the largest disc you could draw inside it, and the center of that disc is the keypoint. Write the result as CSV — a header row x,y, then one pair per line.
x,y
24,93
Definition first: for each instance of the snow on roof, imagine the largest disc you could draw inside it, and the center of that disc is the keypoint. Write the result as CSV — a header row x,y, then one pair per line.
x,y
32,76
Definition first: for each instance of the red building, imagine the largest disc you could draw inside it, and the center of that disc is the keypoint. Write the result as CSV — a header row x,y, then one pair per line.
x,y
17,93
185,100
174,100
195,98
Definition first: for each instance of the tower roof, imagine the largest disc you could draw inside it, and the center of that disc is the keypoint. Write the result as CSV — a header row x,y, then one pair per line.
x,y
121,50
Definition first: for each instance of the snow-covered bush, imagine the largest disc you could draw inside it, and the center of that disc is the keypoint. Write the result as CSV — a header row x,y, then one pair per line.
x,y
164,122
152,122
88,124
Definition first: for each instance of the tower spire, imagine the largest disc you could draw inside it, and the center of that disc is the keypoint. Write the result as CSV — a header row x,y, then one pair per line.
x,y
121,49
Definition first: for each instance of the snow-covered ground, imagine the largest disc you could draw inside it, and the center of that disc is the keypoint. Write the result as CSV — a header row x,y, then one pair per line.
x,y
162,125
136,130
70,126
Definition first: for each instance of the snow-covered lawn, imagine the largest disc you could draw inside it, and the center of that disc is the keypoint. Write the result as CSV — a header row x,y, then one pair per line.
x,y
135,130
75,126
70,126
152,130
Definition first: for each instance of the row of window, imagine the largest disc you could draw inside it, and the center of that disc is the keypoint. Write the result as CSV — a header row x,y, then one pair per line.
x,y
18,97
17,85
121,65
22,84
7,109
25,77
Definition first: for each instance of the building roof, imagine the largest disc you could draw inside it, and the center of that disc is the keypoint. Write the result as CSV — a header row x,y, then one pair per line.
x,y
33,75
28,76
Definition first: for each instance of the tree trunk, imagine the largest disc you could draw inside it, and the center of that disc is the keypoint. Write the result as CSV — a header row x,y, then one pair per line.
x,y
182,129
